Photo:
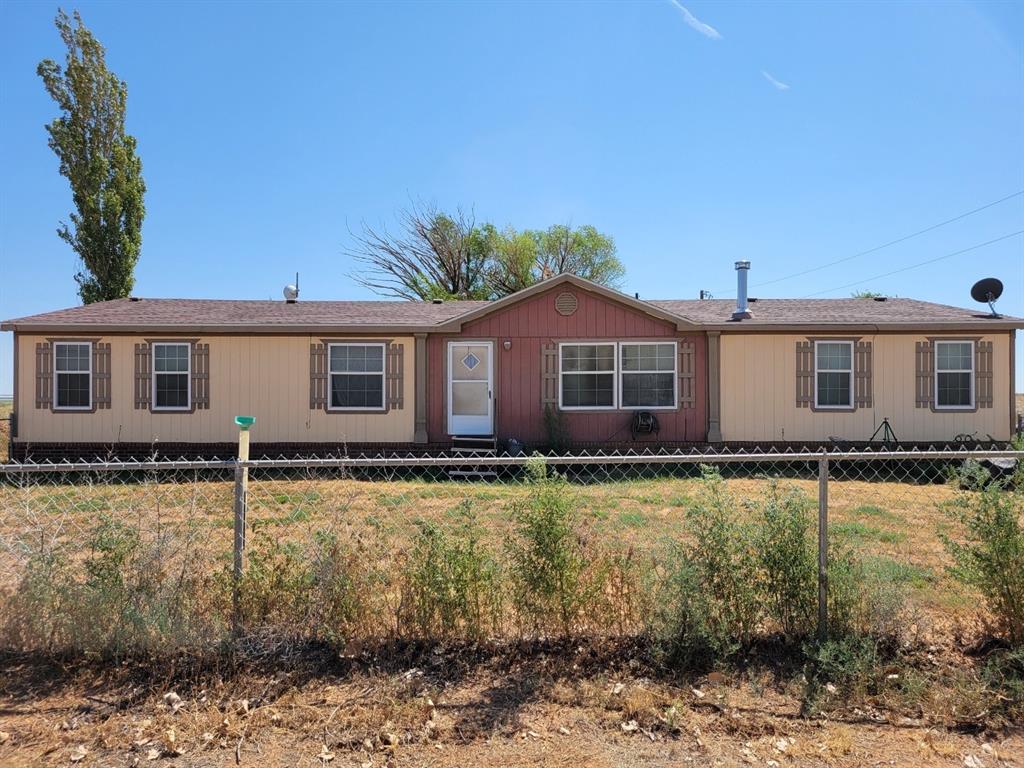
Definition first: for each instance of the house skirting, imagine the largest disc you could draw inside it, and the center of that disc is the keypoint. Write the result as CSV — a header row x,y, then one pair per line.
x,y
40,452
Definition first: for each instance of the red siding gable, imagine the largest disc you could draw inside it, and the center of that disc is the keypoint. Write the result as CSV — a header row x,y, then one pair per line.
x,y
529,325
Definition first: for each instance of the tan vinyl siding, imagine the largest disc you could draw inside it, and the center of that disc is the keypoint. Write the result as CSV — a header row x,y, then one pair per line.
x,y
758,378
262,376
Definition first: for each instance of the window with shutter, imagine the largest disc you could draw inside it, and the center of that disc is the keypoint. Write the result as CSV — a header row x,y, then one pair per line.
x,y
350,376
924,353
863,374
954,374
317,377
44,375
549,375
804,374
101,374
143,376
201,376
983,375
687,374
396,376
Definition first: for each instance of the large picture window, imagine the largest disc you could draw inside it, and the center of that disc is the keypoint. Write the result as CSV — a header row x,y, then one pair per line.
x,y
357,377
172,376
648,375
613,375
72,375
954,374
587,376
833,374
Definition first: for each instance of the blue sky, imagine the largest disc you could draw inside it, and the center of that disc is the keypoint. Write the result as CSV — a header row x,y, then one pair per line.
x,y
267,131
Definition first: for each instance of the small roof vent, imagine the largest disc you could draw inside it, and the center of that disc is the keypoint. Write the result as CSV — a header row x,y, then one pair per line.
x,y
291,291
880,298
134,298
437,301
566,303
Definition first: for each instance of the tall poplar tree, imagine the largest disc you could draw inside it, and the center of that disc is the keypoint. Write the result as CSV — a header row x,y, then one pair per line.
x,y
99,160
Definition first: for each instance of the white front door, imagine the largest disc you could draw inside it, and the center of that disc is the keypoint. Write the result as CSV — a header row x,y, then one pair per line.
x,y
470,388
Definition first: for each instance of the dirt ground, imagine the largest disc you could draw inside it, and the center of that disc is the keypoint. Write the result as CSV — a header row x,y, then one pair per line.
x,y
548,706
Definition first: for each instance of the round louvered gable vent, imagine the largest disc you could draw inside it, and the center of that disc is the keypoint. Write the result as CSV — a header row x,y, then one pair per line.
x,y
565,303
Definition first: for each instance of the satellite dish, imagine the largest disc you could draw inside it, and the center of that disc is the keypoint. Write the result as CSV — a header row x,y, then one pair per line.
x,y
987,291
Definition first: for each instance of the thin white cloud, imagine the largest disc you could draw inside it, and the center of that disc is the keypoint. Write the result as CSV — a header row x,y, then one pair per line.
x,y
705,29
778,84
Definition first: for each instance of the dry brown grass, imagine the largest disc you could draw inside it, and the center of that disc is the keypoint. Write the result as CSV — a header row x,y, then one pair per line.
x,y
5,428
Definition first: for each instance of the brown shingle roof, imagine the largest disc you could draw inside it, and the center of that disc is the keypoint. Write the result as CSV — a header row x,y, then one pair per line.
x,y
188,313
825,312
240,316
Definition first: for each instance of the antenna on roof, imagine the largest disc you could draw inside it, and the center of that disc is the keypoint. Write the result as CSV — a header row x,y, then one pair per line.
x,y
291,291
987,291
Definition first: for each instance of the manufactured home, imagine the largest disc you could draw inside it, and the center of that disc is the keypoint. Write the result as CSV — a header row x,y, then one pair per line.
x,y
565,361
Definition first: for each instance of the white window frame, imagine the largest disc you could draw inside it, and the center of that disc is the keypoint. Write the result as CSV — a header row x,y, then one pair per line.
x,y
675,375
614,373
187,372
971,380
383,376
849,370
56,376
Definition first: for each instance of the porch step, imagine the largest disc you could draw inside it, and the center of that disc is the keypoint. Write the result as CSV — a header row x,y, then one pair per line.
x,y
473,446
472,474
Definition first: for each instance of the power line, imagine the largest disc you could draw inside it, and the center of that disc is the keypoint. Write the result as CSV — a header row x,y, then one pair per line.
x,y
891,242
915,266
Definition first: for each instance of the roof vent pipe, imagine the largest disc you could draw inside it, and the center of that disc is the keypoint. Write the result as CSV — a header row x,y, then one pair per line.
x,y
742,310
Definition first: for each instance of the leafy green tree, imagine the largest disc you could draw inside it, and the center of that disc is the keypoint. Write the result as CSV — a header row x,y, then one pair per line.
x,y
99,159
582,251
867,295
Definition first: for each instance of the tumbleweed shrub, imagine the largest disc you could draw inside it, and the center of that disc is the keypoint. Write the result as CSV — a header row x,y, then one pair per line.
x,y
452,583
990,555
552,580
321,587
786,548
711,603
126,592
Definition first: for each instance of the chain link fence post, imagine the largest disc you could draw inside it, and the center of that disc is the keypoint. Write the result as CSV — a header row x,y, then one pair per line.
x,y
823,548
241,500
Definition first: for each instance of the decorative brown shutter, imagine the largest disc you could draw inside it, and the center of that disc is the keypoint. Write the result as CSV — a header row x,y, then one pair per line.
x,y
143,376
862,375
924,373
687,374
395,377
804,374
101,375
44,375
983,374
317,376
549,375
201,376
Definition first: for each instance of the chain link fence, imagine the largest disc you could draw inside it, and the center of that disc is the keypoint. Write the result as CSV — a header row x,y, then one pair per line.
x,y
242,537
